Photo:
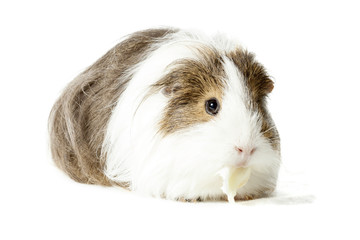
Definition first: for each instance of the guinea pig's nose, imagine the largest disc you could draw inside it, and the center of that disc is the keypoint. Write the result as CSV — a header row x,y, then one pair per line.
x,y
239,149
245,151
244,156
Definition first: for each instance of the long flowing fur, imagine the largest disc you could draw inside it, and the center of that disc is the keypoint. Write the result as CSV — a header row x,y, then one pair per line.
x,y
136,117
79,118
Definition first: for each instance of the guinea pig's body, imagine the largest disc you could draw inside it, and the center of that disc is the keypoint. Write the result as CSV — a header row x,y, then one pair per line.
x,y
163,112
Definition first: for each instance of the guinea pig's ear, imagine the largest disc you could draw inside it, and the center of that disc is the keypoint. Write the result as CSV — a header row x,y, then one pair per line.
x,y
256,77
268,86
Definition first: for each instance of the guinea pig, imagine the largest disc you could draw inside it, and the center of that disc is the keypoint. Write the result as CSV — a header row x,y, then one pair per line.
x,y
163,112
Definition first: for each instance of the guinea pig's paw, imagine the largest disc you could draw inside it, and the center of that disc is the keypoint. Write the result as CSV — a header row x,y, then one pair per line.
x,y
193,200
263,193
245,197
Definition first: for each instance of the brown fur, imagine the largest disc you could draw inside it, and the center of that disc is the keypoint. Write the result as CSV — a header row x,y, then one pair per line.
x,y
189,84
79,118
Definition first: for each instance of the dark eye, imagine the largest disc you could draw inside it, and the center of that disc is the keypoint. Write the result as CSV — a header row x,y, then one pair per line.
x,y
212,106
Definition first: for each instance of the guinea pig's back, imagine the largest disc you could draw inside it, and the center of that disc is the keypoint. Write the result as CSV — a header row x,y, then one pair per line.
x,y
79,118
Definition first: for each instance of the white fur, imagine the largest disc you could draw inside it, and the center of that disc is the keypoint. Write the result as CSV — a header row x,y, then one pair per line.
x,y
132,121
242,125
186,163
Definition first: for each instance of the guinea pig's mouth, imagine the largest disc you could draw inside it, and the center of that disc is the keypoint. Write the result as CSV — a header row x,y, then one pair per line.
x,y
242,164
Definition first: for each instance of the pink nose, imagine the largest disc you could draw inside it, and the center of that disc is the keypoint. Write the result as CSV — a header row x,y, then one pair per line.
x,y
245,151
244,156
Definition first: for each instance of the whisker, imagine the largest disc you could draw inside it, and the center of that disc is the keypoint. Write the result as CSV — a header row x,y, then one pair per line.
x,y
269,129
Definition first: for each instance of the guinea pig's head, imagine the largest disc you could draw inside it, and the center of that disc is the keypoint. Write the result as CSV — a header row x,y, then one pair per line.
x,y
198,115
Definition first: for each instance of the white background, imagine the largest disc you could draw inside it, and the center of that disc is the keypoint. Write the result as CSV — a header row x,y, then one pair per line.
x,y
310,48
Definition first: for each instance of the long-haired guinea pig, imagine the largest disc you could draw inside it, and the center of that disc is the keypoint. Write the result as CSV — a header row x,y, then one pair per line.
x,y
163,112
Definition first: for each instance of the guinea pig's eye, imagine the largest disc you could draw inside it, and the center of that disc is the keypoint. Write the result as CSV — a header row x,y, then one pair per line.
x,y
212,106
